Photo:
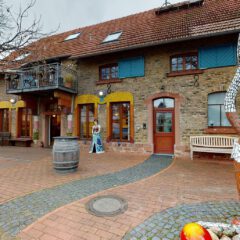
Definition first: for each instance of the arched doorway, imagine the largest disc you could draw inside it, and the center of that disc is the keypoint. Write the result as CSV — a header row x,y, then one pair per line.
x,y
164,125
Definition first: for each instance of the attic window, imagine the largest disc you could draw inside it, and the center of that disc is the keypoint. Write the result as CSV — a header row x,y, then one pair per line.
x,y
72,36
112,37
22,56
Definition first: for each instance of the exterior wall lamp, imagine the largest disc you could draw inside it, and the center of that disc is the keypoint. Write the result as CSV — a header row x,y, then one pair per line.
x,y
104,92
13,101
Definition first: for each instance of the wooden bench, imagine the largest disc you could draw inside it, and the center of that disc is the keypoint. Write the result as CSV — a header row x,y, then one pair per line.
x,y
4,138
212,144
26,141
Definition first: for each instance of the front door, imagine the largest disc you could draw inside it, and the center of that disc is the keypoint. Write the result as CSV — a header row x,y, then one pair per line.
x,y
54,128
164,131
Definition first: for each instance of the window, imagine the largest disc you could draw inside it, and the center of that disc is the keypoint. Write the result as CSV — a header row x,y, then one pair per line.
x,y
184,62
25,119
86,117
108,72
216,113
72,36
112,37
164,103
120,121
4,120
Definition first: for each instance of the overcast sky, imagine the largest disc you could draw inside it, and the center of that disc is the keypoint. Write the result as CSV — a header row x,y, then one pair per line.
x,y
70,14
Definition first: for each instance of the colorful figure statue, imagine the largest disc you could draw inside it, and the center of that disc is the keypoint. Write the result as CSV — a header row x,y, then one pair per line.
x,y
194,231
96,145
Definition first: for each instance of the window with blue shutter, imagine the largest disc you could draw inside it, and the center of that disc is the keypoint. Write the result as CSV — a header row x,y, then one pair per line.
x,y
131,67
218,56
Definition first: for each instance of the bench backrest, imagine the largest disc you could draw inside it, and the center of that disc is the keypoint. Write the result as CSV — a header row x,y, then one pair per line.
x,y
213,141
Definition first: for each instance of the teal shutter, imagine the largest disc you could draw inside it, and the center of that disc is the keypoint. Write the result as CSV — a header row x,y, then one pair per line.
x,y
218,56
131,67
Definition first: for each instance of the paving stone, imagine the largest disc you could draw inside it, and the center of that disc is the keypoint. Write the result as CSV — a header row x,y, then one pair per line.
x,y
222,212
25,210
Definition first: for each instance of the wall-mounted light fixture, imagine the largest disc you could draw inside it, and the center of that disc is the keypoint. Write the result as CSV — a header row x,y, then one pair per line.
x,y
13,100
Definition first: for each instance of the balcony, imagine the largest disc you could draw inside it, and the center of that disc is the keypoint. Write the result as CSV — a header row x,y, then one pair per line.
x,y
42,78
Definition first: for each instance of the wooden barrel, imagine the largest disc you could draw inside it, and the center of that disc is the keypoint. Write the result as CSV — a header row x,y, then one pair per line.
x,y
66,154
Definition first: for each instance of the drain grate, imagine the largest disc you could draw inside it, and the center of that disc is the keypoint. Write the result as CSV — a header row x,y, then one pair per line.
x,y
106,206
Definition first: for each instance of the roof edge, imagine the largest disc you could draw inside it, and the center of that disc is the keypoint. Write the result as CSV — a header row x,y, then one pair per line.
x,y
158,43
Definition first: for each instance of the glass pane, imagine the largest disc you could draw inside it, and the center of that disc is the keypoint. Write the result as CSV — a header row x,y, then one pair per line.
x,y
125,110
180,60
164,103
83,123
174,68
194,62
5,120
216,98
125,121
114,72
83,110
116,130
180,67
164,122
214,115
224,119
115,112
174,61
125,129
188,63
91,119
105,73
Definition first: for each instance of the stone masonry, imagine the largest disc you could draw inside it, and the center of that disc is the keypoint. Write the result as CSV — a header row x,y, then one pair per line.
x,y
194,105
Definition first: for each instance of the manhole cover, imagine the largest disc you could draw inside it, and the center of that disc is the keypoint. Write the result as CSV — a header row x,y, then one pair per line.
x,y
106,206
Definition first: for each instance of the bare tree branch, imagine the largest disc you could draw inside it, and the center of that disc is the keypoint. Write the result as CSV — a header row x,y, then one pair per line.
x,y
16,34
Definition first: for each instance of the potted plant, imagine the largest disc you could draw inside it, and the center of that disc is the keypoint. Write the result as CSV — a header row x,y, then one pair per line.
x,y
68,80
35,136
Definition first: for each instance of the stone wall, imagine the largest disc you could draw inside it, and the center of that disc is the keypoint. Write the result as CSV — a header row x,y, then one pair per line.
x,y
194,105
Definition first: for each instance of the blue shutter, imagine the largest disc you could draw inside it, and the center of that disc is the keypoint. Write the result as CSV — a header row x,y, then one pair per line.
x,y
131,67
218,56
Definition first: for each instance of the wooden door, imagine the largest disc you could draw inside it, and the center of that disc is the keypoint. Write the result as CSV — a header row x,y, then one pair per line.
x,y
164,130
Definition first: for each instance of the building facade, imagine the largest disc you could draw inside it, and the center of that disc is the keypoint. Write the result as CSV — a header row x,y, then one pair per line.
x,y
150,92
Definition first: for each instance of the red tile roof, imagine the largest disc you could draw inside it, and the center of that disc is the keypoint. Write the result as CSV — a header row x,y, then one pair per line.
x,y
145,29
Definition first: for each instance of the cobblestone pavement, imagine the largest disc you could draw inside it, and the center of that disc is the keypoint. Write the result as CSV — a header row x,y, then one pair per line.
x,y
24,170
20,212
167,224
184,182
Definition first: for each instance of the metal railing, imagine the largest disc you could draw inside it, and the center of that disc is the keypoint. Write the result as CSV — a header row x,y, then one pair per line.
x,y
42,77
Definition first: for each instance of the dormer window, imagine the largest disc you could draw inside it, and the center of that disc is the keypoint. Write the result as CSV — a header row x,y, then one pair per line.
x,y
112,37
72,36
